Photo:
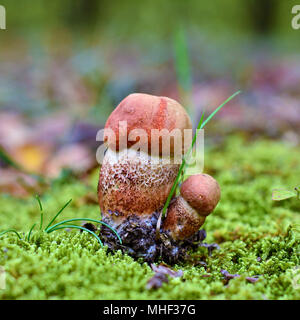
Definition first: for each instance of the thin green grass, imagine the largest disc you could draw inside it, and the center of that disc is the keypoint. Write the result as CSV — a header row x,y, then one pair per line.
x,y
182,61
30,231
63,224
58,213
183,69
11,230
71,226
200,126
178,177
84,219
41,211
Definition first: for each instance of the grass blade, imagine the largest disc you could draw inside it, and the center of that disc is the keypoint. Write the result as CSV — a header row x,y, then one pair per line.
x,y
85,219
41,210
182,61
11,230
58,213
219,108
181,168
183,164
8,160
201,125
178,177
80,228
183,68
28,238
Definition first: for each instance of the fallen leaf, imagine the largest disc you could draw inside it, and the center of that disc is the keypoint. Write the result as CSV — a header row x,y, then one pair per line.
x,y
76,157
19,184
157,281
228,276
161,276
163,269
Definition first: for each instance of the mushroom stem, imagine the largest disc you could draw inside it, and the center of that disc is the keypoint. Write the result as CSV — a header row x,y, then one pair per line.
x,y
131,184
182,220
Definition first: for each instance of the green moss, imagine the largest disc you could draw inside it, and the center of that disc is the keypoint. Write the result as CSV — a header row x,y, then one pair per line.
x,y
247,224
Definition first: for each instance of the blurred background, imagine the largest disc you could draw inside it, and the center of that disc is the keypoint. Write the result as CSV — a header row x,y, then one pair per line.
x,y
65,65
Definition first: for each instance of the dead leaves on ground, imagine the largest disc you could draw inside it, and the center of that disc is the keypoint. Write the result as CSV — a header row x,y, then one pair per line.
x,y
162,272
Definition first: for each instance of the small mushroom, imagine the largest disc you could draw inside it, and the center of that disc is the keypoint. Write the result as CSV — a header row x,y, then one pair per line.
x,y
199,195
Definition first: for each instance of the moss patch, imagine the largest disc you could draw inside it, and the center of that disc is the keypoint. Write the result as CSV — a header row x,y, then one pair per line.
x,y
256,236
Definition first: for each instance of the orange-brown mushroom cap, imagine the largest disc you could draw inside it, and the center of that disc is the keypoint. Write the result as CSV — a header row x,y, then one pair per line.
x,y
202,192
147,112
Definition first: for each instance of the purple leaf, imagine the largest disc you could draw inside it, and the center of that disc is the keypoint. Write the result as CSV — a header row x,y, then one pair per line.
x,y
161,275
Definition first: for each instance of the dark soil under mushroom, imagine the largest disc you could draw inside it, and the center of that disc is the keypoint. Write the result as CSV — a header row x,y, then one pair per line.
x,y
139,240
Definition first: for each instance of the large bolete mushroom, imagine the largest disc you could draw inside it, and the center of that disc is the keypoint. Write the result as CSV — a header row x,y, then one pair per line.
x,y
137,182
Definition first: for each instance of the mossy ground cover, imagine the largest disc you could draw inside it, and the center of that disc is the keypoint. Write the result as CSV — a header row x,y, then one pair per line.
x,y
256,235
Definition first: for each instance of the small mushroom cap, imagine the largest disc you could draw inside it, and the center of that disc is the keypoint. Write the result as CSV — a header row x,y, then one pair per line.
x,y
202,192
147,112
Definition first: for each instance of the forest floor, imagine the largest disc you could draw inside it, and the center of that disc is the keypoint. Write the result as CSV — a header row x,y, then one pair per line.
x,y
257,237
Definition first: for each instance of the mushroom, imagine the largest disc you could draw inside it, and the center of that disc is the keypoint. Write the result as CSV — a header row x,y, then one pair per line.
x,y
145,136
199,195
137,181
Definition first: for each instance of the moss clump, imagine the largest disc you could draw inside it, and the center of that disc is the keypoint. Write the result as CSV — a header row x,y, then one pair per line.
x,y
256,237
